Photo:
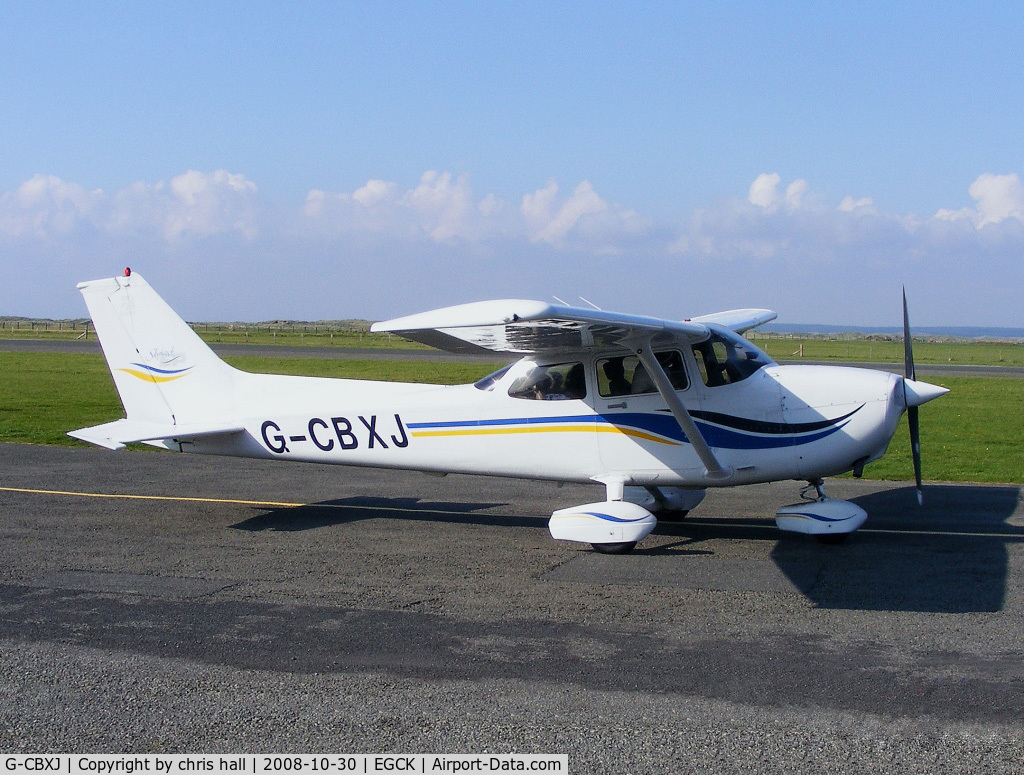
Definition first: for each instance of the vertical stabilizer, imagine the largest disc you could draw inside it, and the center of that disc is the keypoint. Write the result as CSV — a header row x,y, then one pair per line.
x,y
164,373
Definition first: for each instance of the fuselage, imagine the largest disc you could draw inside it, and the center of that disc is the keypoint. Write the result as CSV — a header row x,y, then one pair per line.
x,y
771,422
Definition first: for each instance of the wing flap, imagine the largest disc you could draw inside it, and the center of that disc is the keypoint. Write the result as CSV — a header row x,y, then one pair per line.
x,y
114,435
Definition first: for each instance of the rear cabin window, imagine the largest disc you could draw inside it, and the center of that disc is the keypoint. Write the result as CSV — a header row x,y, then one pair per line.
x,y
555,382
624,375
725,358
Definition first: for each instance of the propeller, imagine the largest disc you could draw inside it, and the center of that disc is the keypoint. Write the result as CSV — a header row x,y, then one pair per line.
x,y
909,373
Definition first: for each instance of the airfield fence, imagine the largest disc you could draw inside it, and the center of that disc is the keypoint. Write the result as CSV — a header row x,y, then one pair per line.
x,y
355,326
846,346
344,333
363,326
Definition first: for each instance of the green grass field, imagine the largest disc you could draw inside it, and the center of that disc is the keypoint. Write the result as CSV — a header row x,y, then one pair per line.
x,y
881,351
973,434
291,335
43,395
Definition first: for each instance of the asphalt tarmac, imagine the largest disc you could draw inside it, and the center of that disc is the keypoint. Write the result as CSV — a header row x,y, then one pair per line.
x,y
155,602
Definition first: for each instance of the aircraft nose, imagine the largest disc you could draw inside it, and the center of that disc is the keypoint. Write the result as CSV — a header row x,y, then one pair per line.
x,y
917,393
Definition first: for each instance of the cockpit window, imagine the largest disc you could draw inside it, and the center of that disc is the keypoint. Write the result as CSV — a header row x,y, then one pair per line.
x,y
624,375
487,383
557,382
724,358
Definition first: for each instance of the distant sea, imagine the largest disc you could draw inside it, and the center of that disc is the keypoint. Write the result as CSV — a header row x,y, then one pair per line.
x,y
963,332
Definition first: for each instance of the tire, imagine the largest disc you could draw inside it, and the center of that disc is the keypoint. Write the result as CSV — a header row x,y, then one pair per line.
x,y
831,539
624,548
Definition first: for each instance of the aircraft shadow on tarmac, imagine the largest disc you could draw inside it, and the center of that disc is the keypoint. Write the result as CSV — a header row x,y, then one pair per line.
x,y
337,512
949,556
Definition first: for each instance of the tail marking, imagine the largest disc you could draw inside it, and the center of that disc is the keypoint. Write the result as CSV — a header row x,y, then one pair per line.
x,y
155,375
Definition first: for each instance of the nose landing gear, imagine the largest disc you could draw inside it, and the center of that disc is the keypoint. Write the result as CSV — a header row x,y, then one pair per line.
x,y
827,519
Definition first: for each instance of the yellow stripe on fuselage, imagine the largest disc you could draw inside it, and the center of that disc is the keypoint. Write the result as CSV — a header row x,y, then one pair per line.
x,y
545,429
151,377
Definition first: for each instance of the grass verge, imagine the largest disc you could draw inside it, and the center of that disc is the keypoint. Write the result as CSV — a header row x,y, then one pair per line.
x,y
974,434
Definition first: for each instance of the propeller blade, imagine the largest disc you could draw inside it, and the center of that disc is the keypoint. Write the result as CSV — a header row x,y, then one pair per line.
x,y
912,406
915,450
908,344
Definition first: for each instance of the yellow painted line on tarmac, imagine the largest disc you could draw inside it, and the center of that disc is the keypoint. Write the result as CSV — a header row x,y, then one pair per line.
x,y
292,505
942,533
933,533
125,496
231,501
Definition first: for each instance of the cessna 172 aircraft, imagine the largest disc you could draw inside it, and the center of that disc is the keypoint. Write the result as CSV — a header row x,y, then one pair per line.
x,y
655,410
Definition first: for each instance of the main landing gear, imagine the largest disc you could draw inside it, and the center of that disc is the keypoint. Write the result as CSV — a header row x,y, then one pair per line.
x,y
614,526
827,519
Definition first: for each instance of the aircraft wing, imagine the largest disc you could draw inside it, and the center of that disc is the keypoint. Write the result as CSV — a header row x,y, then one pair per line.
x,y
519,326
114,435
739,320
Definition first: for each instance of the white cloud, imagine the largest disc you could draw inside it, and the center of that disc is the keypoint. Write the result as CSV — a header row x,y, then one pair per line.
x,y
374,192
552,221
581,218
443,206
195,203
45,205
776,235
763,191
440,208
794,227
863,205
204,204
999,197
795,193
996,197
490,206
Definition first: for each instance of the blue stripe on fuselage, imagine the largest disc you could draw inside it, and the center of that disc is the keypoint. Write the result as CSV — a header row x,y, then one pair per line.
x,y
719,430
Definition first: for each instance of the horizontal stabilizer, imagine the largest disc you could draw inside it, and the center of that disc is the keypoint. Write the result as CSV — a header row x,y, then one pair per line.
x,y
114,435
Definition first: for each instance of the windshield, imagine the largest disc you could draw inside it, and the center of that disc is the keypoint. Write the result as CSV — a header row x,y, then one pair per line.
x,y
725,358
487,383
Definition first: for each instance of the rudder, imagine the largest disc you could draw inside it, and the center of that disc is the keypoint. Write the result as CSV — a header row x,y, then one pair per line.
x,y
163,371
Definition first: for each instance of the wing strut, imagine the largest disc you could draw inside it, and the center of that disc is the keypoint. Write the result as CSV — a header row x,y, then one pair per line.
x,y
643,350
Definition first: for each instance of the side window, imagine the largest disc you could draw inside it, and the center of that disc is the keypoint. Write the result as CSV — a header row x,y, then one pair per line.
x,y
723,359
711,362
557,382
624,375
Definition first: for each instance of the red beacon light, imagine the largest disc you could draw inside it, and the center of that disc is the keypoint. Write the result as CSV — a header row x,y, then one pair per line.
x,y
127,271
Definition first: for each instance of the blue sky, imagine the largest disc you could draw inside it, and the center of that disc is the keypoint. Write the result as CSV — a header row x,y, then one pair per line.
x,y
318,160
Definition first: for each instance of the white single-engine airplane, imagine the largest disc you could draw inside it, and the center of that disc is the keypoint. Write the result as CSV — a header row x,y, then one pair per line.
x,y
655,410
